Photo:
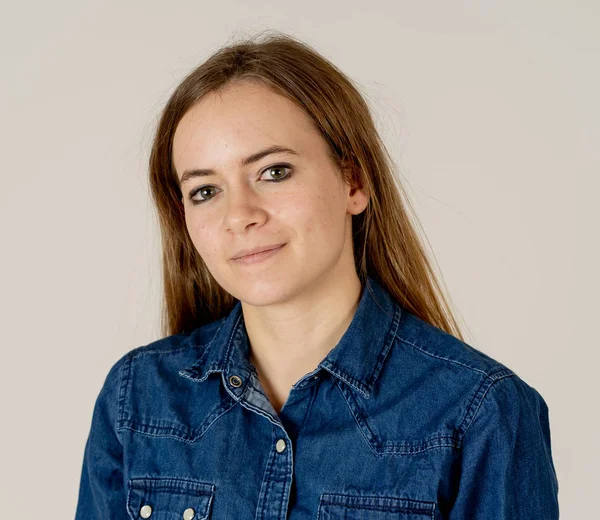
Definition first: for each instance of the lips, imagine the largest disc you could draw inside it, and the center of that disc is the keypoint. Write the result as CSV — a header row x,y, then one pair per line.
x,y
260,249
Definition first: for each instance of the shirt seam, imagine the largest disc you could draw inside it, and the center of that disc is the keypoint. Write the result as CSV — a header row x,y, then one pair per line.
x,y
479,398
436,356
124,377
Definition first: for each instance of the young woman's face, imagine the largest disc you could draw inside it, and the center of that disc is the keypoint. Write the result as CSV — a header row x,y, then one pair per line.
x,y
297,199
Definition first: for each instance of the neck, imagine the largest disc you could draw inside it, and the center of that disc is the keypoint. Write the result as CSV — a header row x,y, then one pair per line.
x,y
291,338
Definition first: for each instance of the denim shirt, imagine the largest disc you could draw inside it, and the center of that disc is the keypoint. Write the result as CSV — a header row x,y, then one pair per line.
x,y
400,421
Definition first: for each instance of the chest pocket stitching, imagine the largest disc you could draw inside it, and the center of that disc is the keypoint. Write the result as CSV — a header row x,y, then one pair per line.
x,y
169,497
328,502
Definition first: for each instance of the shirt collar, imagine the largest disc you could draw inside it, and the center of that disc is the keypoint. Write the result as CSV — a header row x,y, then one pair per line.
x,y
357,359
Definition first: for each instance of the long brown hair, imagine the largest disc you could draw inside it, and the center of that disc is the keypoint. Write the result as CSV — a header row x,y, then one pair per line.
x,y
386,244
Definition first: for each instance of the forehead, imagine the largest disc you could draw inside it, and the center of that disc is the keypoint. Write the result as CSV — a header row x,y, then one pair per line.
x,y
238,121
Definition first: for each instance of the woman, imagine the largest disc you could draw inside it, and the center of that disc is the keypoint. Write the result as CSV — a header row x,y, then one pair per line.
x,y
311,366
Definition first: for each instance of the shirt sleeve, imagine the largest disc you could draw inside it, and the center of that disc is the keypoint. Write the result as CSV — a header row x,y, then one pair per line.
x,y
101,489
507,470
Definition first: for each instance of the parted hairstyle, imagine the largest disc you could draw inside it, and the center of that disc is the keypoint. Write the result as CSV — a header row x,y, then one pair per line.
x,y
386,244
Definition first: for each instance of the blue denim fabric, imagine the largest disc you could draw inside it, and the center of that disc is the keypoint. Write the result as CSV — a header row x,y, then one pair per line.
x,y
399,421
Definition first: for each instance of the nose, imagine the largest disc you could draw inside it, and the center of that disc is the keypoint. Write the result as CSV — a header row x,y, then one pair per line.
x,y
243,208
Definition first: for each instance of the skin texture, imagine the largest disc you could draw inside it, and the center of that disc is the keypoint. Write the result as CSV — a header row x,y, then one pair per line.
x,y
298,303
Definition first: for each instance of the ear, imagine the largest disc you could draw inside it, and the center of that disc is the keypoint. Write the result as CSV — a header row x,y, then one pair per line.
x,y
357,195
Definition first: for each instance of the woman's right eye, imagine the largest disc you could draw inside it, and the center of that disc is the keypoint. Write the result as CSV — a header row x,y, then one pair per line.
x,y
193,194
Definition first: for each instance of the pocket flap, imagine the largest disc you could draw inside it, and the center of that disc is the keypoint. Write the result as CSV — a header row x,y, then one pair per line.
x,y
169,498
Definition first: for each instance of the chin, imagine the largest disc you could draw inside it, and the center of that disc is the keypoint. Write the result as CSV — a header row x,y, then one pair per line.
x,y
261,291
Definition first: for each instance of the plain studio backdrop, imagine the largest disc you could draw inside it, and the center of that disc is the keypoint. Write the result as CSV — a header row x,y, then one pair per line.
x,y
490,110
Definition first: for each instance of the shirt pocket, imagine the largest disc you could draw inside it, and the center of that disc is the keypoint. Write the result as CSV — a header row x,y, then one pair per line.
x,y
169,498
338,506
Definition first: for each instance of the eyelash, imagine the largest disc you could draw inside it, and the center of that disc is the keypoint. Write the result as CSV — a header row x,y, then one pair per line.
x,y
202,201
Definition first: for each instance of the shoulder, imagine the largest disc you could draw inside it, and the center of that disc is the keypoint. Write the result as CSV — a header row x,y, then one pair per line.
x,y
436,346
144,389
176,348
451,380
159,362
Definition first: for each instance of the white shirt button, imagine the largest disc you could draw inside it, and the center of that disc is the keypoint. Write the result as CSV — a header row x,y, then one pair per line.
x,y
146,511
188,514
280,446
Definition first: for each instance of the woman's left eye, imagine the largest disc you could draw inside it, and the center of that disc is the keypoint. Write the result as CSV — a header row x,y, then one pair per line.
x,y
279,167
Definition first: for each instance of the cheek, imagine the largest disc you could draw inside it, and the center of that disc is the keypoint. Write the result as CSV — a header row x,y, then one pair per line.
x,y
317,215
201,236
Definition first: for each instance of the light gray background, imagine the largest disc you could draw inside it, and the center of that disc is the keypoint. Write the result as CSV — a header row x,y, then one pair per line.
x,y
490,109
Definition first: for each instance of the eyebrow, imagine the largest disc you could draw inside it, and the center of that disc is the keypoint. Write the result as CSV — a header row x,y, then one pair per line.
x,y
255,157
